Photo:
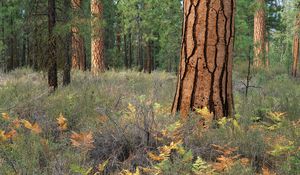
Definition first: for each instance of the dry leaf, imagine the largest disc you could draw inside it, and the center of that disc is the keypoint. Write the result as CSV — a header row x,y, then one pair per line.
x,y
27,124
245,161
2,136
223,163
35,128
16,123
62,123
5,116
82,140
154,157
11,134
103,119
266,171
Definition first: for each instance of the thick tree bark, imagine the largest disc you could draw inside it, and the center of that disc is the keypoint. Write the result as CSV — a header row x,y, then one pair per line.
x,y
259,34
205,75
97,50
78,50
52,70
296,47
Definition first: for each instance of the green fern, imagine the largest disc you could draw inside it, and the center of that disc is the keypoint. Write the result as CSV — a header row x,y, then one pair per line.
x,y
200,167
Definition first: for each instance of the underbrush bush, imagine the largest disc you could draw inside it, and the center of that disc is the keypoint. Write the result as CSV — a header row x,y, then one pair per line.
x,y
124,120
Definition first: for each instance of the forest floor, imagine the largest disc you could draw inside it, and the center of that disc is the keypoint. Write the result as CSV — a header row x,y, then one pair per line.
x,y
120,123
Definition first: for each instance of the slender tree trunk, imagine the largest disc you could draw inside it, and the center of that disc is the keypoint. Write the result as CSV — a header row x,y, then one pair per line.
x,y
259,34
11,61
35,50
152,55
296,47
78,48
140,47
267,53
2,34
205,75
52,70
130,51
24,46
28,48
67,65
125,52
68,43
118,42
148,62
16,50
97,50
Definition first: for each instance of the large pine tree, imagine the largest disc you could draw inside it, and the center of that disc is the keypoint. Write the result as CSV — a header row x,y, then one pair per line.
x,y
52,57
97,45
78,49
296,46
205,75
259,34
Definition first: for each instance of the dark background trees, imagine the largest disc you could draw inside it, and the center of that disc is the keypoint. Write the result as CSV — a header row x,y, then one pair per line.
x,y
144,35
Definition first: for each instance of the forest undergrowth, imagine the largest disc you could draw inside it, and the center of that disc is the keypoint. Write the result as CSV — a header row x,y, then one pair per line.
x,y
120,123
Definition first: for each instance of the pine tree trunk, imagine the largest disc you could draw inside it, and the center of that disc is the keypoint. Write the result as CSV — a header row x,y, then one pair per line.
x,y
2,33
78,48
23,57
16,50
67,64
35,50
11,61
267,48
52,70
130,51
97,50
125,52
296,47
205,75
259,34
148,62
118,42
68,43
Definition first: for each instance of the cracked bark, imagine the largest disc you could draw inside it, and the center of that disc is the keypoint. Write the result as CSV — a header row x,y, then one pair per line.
x,y
205,75
97,43
78,49
259,35
296,47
